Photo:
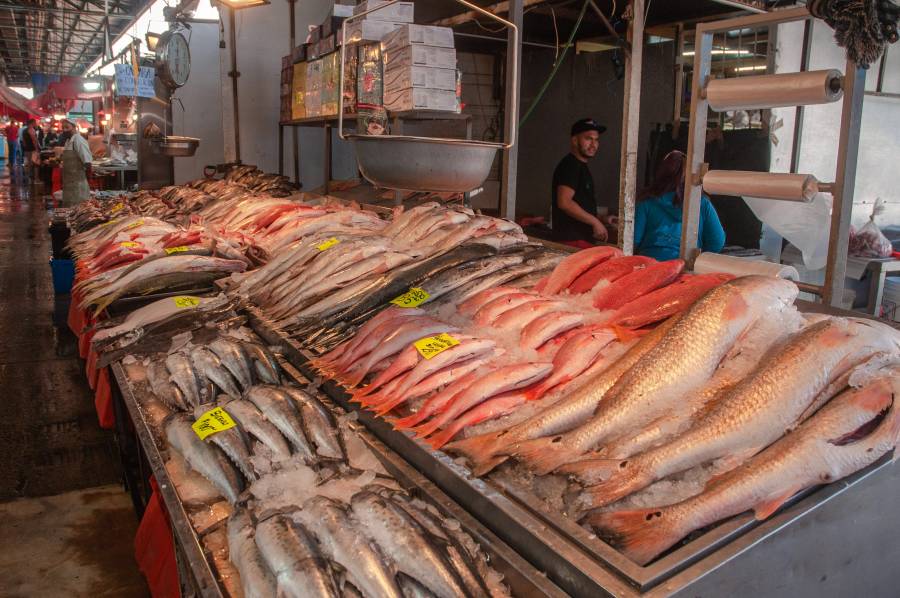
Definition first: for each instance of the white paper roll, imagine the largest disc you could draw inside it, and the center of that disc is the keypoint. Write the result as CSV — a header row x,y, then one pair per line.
x,y
708,263
770,91
773,185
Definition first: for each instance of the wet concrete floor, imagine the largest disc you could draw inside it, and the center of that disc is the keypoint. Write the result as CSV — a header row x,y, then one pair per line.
x,y
50,442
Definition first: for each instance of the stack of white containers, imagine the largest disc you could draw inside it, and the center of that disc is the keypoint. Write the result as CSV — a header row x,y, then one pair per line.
x,y
420,69
375,25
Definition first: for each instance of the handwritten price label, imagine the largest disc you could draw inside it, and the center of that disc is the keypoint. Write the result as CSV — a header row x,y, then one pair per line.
x,y
117,208
129,244
414,297
186,301
179,249
327,244
135,224
211,422
110,222
430,346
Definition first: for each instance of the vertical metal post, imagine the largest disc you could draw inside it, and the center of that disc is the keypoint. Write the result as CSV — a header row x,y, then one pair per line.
x,y
631,114
327,161
294,133
280,149
234,74
799,110
510,157
693,190
844,183
679,80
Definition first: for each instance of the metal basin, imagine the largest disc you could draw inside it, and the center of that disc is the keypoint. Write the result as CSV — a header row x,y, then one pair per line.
x,y
176,146
424,163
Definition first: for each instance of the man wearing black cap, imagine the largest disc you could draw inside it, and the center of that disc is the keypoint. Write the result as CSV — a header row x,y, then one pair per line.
x,y
574,205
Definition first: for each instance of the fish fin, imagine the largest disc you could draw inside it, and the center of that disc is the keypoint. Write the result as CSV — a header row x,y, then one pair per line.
x,y
623,334
410,421
733,461
642,534
443,437
544,455
624,478
590,471
385,407
766,508
477,449
428,428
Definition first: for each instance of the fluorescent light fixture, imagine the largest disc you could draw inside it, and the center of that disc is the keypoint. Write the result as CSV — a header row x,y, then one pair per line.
x,y
152,40
755,67
722,52
59,117
238,4
47,119
91,85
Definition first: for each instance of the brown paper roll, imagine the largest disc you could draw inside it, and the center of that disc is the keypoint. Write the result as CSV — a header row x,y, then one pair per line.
x,y
772,185
770,91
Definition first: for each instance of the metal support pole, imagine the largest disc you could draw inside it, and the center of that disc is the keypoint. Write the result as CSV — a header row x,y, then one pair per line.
x,y
327,160
234,74
844,183
693,191
510,156
800,110
281,149
631,113
294,133
679,80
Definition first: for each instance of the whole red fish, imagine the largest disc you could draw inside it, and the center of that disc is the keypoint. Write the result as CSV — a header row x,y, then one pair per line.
x,y
609,271
575,265
637,284
667,301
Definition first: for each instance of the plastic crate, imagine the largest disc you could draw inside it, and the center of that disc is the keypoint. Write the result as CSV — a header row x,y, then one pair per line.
x,y
63,275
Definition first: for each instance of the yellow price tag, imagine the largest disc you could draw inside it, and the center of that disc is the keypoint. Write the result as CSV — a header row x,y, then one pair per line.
x,y
129,244
214,420
135,224
186,301
414,297
109,222
179,249
117,208
430,346
328,244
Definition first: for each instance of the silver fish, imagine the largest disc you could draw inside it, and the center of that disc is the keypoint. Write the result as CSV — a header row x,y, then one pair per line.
x,y
163,388
292,555
209,366
256,579
402,538
185,378
252,420
203,458
265,364
234,444
234,359
278,409
341,542
317,423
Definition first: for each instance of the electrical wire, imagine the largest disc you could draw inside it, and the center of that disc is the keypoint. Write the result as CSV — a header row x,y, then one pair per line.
x,y
556,66
555,34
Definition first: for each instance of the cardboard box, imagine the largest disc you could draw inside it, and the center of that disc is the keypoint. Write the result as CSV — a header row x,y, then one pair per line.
x,y
401,12
351,61
342,10
298,91
405,35
314,75
404,77
419,55
369,31
298,54
331,76
331,25
420,99
285,62
372,121
369,77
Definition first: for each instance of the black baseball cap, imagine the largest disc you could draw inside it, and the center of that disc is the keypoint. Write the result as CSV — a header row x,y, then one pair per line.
x,y
587,124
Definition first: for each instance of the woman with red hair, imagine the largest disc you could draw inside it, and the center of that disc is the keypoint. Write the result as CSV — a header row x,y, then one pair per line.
x,y
657,217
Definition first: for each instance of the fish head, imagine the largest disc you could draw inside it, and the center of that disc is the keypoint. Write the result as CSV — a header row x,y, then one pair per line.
x,y
865,413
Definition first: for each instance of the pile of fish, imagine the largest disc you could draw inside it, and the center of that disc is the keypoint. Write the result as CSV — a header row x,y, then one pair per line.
x,y
259,181
350,533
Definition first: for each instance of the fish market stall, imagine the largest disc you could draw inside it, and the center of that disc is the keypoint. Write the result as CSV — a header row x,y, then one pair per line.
x,y
625,426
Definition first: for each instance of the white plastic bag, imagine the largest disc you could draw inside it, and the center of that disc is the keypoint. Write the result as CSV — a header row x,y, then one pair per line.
x,y
869,241
805,225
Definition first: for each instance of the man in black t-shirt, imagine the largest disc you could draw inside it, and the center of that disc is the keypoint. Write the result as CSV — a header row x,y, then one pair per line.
x,y
574,205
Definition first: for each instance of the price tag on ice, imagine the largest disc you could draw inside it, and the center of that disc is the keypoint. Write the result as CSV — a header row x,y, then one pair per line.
x,y
110,222
414,297
430,346
134,224
117,208
214,420
327,244
129,244
186,301
179,249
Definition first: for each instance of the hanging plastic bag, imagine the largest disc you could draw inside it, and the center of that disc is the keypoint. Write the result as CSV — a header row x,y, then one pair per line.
x,y
805,225
869,241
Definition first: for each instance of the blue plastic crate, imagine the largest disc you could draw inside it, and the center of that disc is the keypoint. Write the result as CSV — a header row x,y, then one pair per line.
x,y
63,275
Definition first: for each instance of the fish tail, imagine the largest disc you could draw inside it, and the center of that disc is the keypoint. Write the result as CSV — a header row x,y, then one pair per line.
x,y
619,479
385,407
545,455
478,449
443,437
408,422
641,534
429,428
623,334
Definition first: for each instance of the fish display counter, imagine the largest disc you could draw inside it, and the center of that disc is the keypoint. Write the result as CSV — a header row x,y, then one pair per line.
x,y
285,516
627,427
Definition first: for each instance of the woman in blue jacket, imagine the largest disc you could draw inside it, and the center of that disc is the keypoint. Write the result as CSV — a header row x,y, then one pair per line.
x,y
657,218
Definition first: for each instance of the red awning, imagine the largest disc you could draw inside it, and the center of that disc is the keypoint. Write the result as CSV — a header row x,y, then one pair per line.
x,y
17,105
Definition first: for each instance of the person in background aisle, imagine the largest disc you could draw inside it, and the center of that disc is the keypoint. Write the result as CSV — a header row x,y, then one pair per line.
x,y
76,161
657,217
31,149
51,137
12,143
575,220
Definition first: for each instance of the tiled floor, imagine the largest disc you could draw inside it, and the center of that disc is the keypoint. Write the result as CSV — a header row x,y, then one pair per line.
x,y
50,442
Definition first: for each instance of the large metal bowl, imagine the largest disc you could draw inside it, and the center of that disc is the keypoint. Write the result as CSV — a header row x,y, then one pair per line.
x,y
176,146
423,163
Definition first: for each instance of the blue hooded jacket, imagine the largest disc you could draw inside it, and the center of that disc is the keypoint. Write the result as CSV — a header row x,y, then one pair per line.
x,y
657,227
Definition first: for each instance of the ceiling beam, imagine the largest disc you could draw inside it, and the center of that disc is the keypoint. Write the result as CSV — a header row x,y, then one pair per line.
x,y
84,13
115,4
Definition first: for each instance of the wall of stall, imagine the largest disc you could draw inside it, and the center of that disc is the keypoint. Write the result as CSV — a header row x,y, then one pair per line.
x,y
197,107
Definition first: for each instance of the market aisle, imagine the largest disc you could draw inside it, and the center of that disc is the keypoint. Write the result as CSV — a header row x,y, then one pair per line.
x,y
50,442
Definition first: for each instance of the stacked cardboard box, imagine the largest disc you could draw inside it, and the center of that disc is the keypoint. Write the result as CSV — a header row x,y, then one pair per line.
x,y
375,25
420,69
371,117
287,76
314,83
298,91
331,79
